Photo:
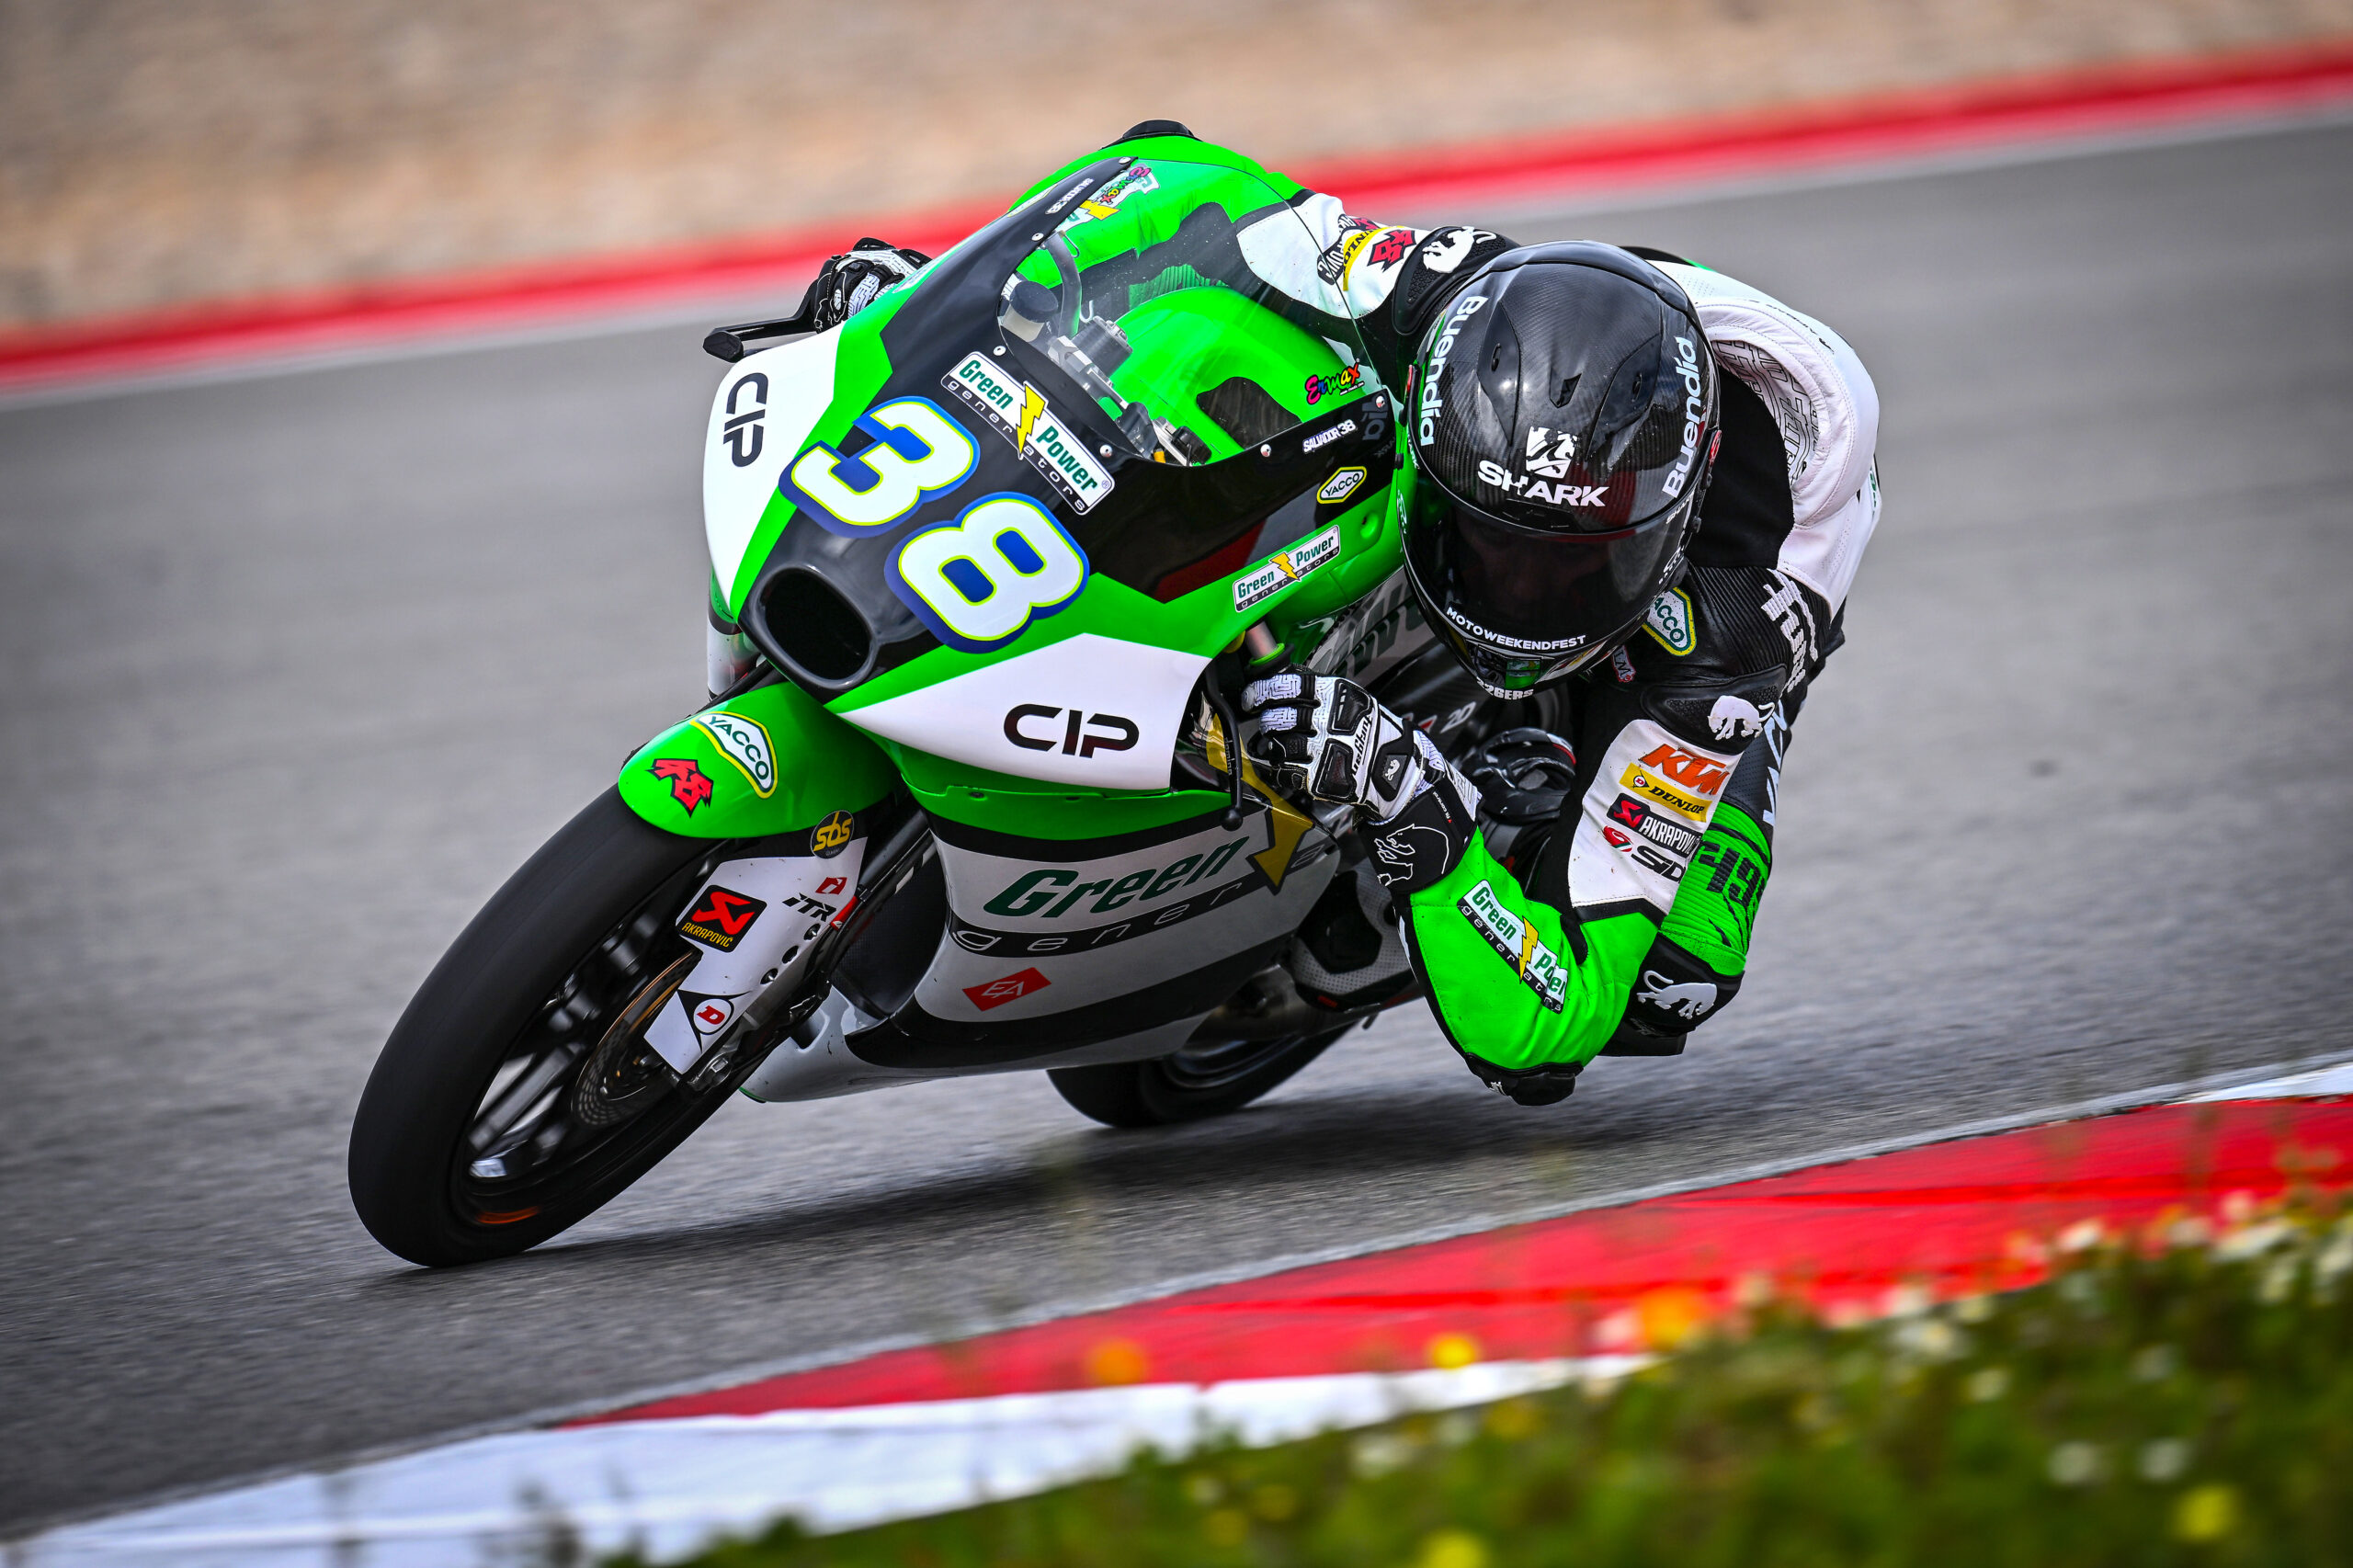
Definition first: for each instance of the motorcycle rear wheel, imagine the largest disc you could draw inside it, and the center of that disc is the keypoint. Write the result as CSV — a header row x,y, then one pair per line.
x,y
1199,1081
516,1095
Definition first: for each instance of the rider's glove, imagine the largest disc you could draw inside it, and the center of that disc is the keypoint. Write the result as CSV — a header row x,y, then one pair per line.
x,y
1324,736
848,284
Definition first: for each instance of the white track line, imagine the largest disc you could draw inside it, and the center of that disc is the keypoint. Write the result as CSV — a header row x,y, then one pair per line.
x,y
669,1488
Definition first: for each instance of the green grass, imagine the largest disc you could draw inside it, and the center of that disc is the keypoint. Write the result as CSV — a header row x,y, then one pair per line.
x,y
2186,1403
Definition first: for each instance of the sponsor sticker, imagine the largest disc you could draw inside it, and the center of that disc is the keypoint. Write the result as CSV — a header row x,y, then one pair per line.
x,y
831,836
1018,412
720,917
1670,622
1355,234
1318,388
1284,568
1343,483
689,785
1675,779
1005,988
1672,837
745,742
712,1014
1515,942
1323,438
1105,201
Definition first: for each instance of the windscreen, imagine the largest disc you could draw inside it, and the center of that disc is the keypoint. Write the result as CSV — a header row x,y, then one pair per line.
x,y
1150,300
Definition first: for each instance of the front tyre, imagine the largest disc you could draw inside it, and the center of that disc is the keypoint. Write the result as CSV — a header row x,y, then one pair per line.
x,y
516,1095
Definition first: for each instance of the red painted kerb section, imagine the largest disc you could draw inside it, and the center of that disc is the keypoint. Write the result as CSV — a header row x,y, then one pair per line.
x,y
2110,100
1952,1218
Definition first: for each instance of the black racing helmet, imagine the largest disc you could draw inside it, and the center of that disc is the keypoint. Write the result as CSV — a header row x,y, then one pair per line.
x,y
1565,420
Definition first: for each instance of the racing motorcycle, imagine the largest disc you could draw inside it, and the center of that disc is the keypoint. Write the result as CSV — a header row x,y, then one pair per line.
x,y
984,558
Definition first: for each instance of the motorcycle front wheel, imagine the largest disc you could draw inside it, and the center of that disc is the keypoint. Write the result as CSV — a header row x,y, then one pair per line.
x,y
516,1095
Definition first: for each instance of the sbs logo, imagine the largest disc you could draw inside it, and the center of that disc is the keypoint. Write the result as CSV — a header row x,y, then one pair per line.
x,y
831,836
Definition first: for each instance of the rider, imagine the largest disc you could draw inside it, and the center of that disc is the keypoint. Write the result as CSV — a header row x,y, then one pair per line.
x,y
1636,490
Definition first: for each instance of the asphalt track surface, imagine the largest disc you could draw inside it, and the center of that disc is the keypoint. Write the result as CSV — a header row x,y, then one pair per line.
x,y
299,667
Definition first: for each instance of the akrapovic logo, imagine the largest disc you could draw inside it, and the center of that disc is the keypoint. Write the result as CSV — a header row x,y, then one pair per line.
x,y
1695,415
1431,407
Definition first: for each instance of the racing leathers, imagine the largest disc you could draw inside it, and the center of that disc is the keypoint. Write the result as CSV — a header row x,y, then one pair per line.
x,y
1625,921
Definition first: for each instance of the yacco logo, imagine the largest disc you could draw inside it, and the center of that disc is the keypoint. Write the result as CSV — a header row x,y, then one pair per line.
x,y
1670,621
1515,942
1427,427
1018,412
1323,438
743,429
1048,893
1343,483
1078,737
1006,988
1694,413
1284,568
745,742
720,917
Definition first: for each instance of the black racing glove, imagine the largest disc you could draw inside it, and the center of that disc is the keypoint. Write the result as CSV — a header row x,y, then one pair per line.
x,y
1326,737
846,284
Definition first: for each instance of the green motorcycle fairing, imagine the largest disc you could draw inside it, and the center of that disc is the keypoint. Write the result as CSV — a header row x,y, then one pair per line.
x,y
767,761
993,530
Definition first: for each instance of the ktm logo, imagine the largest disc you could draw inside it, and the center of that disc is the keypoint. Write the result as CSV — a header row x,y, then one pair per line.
x,y
1008,988
1078,737
742,431
1703,775
720,917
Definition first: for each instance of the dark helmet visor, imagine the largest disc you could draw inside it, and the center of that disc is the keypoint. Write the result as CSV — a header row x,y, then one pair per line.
x,y
1522,605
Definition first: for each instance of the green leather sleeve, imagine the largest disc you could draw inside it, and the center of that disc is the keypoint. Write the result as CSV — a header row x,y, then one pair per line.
x,y
1512,980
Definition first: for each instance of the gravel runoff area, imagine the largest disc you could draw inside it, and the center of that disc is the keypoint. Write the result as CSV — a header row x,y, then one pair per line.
x,y
160,152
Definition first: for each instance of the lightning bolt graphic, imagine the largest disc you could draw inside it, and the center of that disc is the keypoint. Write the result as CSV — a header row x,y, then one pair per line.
x,y
1032,405
1526,944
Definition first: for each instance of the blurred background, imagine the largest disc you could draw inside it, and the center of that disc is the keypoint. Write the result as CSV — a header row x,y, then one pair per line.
x,y
157,151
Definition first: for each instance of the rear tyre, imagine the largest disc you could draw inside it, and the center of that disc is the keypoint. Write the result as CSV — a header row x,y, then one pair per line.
x,y
1199,1081
516,1096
